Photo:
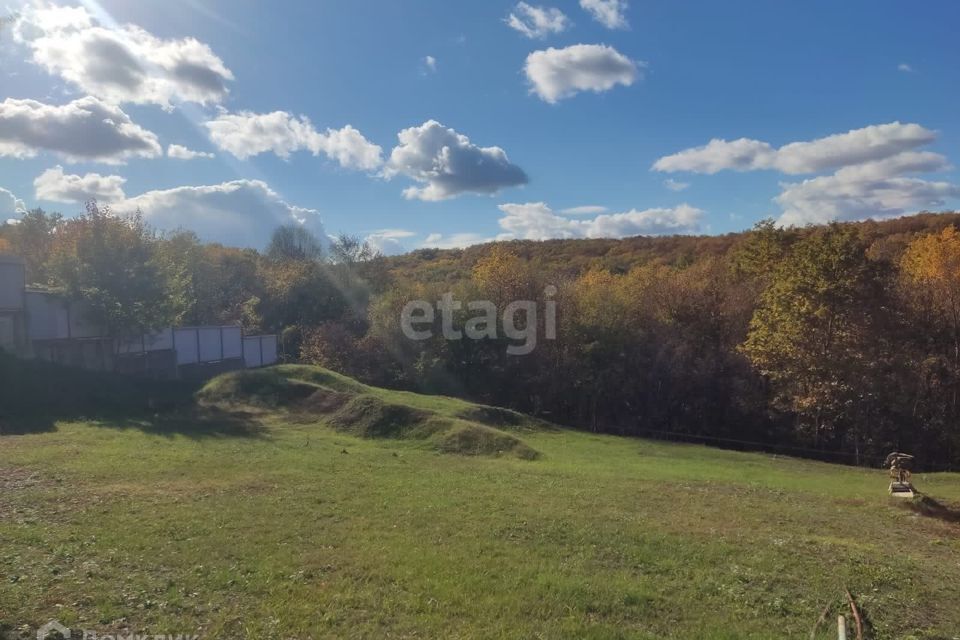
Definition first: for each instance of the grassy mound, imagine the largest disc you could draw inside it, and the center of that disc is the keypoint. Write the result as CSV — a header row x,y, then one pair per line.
x,y
313,394
324,401
479,440
369,417
257,387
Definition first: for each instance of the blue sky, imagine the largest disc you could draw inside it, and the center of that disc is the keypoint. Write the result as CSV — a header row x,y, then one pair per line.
x,y
598,105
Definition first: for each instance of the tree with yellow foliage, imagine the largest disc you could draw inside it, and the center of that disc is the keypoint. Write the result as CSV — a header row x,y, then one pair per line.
x,y
930,270
502,276
930,282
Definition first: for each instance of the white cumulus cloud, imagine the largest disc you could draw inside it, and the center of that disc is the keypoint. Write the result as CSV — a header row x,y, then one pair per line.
x,y
585,210
872,175
879,189
537,21
121,63
555,74
240,213
180,152
609,13
858,145
448,164
537,221
85,129
245,134
57,186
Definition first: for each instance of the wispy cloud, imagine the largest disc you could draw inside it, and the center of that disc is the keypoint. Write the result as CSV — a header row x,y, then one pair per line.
x,y
537,22
609,13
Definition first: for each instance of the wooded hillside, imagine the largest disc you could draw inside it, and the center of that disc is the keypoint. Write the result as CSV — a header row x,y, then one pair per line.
x,y
841,342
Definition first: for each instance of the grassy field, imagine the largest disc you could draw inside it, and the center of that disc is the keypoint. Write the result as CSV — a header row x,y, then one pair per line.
x,y
270,512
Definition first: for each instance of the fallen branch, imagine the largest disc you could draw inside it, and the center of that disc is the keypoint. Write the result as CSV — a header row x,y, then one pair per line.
x,y
856,614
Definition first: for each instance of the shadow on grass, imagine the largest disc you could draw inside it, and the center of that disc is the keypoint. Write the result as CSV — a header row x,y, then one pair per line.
x,y
35,395
927,506
194,422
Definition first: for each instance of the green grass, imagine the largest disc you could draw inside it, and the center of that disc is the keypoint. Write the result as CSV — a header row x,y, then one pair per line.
x,y
283,526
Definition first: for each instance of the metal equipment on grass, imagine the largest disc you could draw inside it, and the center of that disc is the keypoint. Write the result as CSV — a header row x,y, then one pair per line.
x,y
900,464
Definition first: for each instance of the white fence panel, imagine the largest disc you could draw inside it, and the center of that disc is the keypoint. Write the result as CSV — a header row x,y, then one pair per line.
x,y
210,345
259,351
251,352
232,342
185,341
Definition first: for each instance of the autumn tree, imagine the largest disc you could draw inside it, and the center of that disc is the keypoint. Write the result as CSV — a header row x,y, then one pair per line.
x,y
501,276
32,238
930,291
348,250
210,283
930,270
762,249
811,335
111,263
293,242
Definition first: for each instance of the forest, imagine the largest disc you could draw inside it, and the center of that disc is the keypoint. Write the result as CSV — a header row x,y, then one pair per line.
x,y
838,342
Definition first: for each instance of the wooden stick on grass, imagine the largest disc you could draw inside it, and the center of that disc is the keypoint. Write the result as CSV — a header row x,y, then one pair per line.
x,y
856,614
